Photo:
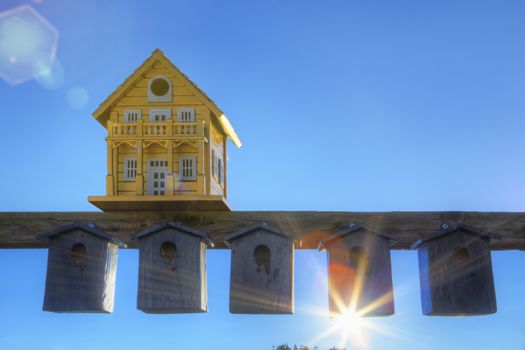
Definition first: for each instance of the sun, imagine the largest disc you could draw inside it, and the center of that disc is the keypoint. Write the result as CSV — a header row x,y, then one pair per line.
x,y
352,328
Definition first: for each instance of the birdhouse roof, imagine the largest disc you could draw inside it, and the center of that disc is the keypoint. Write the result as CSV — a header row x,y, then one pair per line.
x,y
177,226
247,230
102,112
448,229
352,228
83,227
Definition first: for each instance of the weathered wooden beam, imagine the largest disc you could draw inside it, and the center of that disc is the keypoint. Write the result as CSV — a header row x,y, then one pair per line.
x,y
19,230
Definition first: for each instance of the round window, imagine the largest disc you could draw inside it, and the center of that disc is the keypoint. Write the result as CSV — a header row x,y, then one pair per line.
x,y
160,87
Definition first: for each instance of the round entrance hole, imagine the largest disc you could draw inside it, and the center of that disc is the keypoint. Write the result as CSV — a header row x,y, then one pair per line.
x,y
357,256
159,87
78,253
168,252
262,258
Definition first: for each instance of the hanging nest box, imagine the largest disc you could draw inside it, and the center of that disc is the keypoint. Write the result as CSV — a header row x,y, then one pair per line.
x,y
81,269
455,271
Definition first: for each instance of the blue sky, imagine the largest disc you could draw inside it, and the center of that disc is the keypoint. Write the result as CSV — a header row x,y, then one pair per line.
x,y
341,105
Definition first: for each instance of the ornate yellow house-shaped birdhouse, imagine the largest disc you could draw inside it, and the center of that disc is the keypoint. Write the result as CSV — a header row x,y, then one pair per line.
x,y
166,143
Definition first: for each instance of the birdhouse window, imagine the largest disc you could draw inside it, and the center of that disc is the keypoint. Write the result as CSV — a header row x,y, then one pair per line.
x,y
187,168
262,258
219,171
132,116
159,90
186,115
130,168
159,115
214,164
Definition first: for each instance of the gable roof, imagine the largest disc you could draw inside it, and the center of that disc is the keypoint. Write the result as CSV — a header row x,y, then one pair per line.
x,y
448,229
177,226
247,230
352,228
88,228
101,114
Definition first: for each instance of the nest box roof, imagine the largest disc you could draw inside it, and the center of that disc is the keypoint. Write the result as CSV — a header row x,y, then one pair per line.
x,y
352,228
102,112
247,230
82,227
448,229
177,226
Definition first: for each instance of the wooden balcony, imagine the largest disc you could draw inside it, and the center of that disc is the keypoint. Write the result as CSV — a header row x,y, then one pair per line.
x,y
168,129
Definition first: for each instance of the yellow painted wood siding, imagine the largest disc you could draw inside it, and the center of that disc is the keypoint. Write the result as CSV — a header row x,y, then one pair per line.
x,y
216,146
136,98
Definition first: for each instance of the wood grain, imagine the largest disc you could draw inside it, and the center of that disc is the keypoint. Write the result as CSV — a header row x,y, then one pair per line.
x,y
171,286
455,284
365,279
261,286
18,229
86,285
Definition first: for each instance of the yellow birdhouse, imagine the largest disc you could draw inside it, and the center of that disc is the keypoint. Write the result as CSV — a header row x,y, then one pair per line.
x,y
166,143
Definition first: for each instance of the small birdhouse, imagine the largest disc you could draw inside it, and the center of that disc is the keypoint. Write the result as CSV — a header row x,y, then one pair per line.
x,y
261,280
455,272
81,269
359,271
172,269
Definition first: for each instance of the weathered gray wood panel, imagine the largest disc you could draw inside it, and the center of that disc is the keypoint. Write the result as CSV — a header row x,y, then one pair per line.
x,y
18,230
456,276
259,286
360,275
76,283
176,285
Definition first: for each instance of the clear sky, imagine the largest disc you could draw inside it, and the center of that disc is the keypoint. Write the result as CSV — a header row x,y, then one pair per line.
x,y
341,105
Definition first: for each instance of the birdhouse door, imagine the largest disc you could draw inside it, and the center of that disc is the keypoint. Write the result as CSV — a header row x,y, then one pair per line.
x,y
157,173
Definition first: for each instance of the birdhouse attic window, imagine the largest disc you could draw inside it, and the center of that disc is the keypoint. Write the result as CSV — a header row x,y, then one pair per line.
x,y
187,168
159,90
186,115
130,169
132,116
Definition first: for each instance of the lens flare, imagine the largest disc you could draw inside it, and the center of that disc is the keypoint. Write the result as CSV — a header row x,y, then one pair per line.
x,y
28,44
50,76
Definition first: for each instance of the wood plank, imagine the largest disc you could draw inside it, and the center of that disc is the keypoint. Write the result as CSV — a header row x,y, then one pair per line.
x,y
18,229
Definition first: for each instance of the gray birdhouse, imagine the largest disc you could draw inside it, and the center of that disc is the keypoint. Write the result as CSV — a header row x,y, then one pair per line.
x,y
81,269
359,271
261,280
172,269
455,272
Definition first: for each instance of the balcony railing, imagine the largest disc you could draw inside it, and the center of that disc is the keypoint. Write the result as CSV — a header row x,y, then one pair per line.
x,y
160,129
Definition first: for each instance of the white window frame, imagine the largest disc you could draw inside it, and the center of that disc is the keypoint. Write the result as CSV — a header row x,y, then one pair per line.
x,y
183,175
154,111
129,113
182,111
213,164
154,98
130,168
220,170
